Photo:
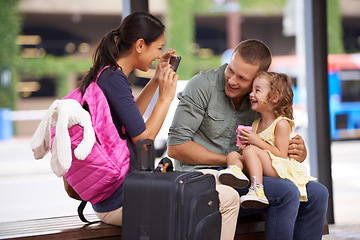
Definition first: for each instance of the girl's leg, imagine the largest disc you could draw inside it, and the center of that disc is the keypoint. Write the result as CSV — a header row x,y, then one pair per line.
x,y
257,163
235,158
233,176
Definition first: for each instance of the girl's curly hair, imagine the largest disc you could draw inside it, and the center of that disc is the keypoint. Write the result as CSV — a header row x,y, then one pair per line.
x,y
280,86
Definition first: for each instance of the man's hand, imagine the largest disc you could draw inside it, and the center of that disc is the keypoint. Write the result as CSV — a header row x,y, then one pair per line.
x,y
297,149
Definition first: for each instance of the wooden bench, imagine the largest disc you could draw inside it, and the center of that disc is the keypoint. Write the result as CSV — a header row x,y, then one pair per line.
x,y
71,228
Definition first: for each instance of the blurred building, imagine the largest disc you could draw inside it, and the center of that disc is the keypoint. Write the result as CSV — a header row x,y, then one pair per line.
x,y
73,27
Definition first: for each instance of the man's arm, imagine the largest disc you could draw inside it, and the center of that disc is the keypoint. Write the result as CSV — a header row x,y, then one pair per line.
x,y
188,118
195,154
297,149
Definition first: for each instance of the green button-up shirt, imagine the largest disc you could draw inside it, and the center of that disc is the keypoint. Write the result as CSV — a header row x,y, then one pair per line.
x,y
207,116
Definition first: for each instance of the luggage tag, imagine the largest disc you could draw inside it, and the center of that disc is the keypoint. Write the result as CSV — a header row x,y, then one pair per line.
x,y
146,156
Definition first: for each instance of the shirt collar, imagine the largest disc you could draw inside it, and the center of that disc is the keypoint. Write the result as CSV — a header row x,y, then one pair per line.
x,y
221,82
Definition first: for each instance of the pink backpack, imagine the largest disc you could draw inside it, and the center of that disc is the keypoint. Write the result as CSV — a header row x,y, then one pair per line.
x,y
104,170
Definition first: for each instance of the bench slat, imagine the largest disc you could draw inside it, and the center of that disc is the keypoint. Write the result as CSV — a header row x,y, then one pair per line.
x,y
69,227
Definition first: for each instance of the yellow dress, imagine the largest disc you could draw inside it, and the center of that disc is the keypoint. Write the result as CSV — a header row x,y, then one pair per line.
x,y
287,168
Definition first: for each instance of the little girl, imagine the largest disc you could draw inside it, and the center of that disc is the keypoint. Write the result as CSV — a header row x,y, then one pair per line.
x,y
265,148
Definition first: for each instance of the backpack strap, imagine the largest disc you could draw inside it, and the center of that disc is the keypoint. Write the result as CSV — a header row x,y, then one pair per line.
x,y
100,73
81,213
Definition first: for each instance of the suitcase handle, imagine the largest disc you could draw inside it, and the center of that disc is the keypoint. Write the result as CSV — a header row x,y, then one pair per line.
x,y
146,154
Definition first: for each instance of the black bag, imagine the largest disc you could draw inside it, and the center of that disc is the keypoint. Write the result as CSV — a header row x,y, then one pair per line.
x,y
170,206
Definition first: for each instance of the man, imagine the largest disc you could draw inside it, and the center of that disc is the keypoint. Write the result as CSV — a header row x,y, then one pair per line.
x,y
203,132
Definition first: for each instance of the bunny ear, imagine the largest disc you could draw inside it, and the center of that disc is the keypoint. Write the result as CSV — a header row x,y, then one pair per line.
x,y
54,162
41,140
62,137
87,143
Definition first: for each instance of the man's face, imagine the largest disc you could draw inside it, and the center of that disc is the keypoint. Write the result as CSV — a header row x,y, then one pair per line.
x,y
239,76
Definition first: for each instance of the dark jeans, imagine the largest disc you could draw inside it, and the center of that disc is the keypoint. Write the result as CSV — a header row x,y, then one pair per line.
x,y
287,217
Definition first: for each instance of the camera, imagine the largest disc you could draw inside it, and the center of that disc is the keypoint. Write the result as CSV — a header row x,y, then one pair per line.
x,y
174,62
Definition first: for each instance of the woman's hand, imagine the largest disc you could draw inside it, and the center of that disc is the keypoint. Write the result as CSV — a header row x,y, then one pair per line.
x,y
167,89
163,62
167,84
297,149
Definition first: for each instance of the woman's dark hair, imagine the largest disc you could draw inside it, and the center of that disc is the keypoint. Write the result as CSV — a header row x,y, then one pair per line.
x,y
118,41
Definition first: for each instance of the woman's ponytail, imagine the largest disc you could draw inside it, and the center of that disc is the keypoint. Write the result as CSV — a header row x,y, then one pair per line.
x,y
105,54
118,41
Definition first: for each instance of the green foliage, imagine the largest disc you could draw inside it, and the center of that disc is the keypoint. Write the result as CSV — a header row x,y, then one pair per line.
x,y
10,24
58,67
181,29
267,7
334,27
180,33
181,36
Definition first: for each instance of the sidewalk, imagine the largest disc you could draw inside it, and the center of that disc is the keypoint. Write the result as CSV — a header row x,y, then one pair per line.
x,y
30,190
346,190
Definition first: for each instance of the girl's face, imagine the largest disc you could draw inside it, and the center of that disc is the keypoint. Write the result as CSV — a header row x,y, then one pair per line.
x,y
150,53
259,95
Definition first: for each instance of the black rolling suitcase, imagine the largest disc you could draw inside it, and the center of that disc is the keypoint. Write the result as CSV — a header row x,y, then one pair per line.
x,y
169,206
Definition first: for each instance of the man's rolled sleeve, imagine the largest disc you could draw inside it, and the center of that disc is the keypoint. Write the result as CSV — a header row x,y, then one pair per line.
x,y
186,121
189,112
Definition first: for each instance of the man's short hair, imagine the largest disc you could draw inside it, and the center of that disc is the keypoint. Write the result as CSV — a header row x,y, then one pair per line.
x,y
255,52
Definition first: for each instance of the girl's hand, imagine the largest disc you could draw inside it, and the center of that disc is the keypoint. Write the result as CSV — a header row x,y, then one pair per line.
x,y
163,62
249,137
242,147
167,84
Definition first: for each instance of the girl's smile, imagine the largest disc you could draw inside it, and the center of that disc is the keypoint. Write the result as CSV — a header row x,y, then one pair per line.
x,y
259,95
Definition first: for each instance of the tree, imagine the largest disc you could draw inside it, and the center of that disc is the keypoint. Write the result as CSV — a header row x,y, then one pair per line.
x,y
10,25
334,27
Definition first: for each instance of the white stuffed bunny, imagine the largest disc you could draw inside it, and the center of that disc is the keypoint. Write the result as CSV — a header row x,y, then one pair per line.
x,y
63,114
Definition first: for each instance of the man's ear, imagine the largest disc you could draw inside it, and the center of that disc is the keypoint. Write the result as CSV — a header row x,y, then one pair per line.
x,y
139,45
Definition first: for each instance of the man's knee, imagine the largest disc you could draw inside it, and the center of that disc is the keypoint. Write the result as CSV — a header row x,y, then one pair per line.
x,y
281,191
228,196
318,194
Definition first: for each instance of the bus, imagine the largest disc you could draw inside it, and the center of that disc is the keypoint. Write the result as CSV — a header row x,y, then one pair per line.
x,y
344,91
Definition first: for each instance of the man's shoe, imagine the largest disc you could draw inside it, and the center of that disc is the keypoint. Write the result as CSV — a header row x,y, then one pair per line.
x,y
255,198
233,176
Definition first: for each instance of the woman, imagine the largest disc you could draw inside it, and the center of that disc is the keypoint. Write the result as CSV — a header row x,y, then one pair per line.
x,y
135,44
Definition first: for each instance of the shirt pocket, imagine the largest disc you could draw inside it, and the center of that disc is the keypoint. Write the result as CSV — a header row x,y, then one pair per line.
x,y
213,122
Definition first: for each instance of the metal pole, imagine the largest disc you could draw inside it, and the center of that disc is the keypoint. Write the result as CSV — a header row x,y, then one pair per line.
x,y
318,95
233,24
130,6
